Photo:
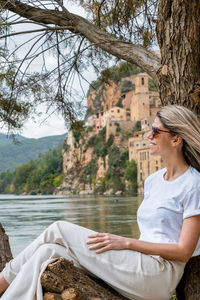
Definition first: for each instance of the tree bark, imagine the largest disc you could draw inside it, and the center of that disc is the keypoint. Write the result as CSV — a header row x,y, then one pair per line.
x,y
189,286
61,280
178,34
5,252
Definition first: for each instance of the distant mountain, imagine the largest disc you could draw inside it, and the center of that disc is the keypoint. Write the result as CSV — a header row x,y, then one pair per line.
x,y
14,154
7,140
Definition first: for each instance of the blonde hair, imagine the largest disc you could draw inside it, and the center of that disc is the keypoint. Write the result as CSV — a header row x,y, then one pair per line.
x,y
182,122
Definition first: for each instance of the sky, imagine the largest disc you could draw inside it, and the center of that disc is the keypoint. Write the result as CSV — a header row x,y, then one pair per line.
x,y
53,124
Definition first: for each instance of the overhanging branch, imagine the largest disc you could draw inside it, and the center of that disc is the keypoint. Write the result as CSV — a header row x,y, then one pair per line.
x,y
136,54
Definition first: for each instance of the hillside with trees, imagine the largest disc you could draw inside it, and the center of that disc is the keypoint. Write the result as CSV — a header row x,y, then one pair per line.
x,y
40,176
15,153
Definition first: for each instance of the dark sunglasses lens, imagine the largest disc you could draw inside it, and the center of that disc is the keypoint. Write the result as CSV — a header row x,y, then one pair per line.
x,y
154,132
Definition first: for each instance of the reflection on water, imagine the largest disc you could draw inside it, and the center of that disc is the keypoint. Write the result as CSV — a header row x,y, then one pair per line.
x,y
25,217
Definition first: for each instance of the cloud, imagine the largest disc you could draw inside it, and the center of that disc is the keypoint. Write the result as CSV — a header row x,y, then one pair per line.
x,y
54,125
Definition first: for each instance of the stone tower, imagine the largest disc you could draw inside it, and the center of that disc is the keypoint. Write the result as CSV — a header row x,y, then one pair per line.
x,y
140,105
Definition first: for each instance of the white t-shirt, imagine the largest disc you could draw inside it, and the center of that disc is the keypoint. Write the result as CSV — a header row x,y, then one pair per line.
x,y
166,204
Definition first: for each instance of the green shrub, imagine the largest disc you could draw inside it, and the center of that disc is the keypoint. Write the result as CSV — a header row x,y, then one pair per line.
x,y
137,126
130,174
89,172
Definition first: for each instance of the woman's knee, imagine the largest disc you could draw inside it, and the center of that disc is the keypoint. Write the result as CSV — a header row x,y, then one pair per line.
x,y
45,251
59,224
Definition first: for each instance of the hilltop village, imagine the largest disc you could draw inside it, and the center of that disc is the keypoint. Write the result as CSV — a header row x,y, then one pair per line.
x,y
96,151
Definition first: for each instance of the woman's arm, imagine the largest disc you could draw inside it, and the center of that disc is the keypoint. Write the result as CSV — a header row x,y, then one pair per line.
x,y
182,251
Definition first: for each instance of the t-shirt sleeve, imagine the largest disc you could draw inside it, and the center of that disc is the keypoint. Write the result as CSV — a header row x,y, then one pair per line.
x,y
191,203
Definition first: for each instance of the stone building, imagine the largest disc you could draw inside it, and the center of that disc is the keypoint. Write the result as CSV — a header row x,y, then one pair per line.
x,y
115,114
140,104
146,163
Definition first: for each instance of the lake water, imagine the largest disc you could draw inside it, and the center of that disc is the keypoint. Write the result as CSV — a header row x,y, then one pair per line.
x,y
25,217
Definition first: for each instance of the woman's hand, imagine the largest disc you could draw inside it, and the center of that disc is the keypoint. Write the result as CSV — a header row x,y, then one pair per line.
x,y
105,241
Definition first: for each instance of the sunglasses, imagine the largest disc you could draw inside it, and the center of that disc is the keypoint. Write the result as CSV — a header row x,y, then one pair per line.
x,y
156,131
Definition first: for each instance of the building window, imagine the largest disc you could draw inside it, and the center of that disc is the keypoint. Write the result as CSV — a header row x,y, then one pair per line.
x,y
142,155
141,166
118,110
142,79
141,176
102,113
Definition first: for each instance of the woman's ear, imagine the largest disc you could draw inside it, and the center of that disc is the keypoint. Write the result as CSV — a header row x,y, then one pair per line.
x,y
177,140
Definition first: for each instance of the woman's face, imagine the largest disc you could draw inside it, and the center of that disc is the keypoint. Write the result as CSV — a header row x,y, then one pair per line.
x,y
160,144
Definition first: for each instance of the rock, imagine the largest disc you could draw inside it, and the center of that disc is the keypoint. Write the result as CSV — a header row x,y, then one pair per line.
x,y
118,193
109,192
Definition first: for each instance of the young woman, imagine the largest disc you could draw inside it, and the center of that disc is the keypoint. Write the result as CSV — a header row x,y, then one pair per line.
x,y
169,221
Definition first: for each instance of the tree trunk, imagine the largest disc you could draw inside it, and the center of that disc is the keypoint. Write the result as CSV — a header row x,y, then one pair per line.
x,y
178,32
189,286
5,252
61,280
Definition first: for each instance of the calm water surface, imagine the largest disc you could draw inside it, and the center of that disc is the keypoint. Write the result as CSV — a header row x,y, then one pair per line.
x,y
25,217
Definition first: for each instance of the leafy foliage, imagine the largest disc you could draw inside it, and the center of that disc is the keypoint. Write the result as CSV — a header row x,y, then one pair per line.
x,y
152,86
127,86
116,73
89,172
130,174
118,165
100,144
137,126
77,130
121,18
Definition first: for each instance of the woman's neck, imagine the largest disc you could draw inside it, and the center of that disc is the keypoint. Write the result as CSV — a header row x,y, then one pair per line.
x,y
175,168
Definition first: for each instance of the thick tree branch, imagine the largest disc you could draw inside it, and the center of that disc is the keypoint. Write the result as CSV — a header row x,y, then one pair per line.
x,y
136,54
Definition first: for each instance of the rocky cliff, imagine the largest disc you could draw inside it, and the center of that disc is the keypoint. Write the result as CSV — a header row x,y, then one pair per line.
x,y
108,89
93,164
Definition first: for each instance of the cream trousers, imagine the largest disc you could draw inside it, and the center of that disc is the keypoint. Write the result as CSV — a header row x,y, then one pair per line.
x,y
135,275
